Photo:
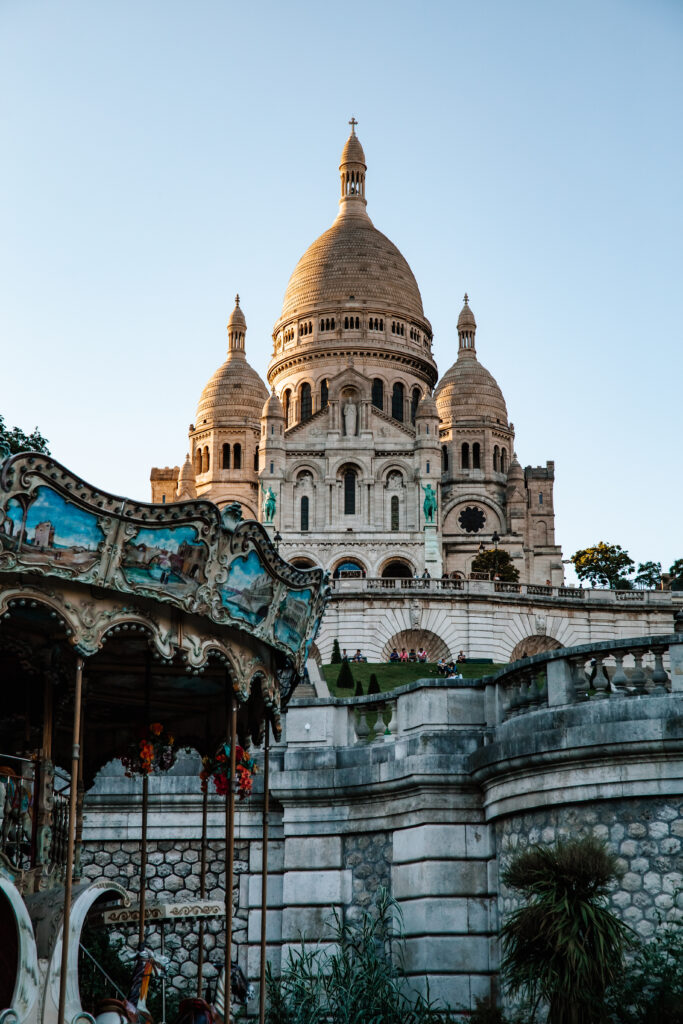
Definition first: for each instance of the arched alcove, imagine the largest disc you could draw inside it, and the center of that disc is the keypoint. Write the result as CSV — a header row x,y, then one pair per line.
x,y
433,644
535,644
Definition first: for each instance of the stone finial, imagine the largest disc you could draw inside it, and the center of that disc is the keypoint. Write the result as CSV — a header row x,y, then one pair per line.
x,y
353,124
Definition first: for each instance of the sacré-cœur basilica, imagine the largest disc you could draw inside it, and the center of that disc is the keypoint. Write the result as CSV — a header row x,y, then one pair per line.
x,y
358,428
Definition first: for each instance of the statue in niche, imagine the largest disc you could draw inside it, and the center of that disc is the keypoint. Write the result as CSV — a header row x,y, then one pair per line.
x,y
350,418
269,504
429,504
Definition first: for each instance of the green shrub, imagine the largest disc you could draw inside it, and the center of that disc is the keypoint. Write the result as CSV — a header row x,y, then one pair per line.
x,y
336,653
650,990
373,685
355,981
359,688
345,679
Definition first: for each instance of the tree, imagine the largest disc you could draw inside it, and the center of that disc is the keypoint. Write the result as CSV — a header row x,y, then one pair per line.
x,y
336,653
605,564
345,679
676,570
373,685
649,574
359,688
564,947
498,563
14,439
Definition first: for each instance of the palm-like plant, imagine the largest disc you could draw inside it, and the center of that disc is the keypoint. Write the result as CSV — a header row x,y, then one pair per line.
x,y
564,947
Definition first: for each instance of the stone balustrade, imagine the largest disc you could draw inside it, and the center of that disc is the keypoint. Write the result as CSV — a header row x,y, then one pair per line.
x,y
479,583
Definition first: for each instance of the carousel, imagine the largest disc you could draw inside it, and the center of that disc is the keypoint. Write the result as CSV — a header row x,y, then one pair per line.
x,y
129,631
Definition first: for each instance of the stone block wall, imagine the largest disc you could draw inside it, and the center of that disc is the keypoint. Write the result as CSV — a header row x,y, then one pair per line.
x,y
173,869
646,835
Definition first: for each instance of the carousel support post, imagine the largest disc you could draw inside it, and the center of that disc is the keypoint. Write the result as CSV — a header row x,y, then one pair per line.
x,y
78,867
264,874
202,890
73,790
230,858
143,862
163,976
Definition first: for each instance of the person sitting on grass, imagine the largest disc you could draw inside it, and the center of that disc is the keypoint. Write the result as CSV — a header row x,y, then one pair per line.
x,y
441,667
422,655
394,655
412,656
453,673
462,658
358,656
404,654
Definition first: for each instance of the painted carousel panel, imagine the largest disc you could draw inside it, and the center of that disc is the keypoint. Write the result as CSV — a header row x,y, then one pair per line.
x,y
42,527
168,558
248,591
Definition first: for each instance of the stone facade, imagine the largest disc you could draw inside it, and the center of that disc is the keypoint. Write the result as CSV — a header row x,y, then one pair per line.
x,y
354,431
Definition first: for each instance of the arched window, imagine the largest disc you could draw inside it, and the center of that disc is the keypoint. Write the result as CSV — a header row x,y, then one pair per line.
x,y
287,406
540,497
349,493
256,460
503,460
444,458
357,323
496,457
306,403
206,460
381,325
226,456
198,461
414,400
237,456
465,456
346,323
394,513
397,397
378,393
304,514
476,456
324,394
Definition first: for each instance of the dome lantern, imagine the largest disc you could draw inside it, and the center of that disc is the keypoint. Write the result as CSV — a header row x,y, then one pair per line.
x,y
237,328
467,328
352,168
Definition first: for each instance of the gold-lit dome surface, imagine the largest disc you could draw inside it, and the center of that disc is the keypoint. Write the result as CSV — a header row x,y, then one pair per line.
x,y
468,391
235,391
353,259
352,152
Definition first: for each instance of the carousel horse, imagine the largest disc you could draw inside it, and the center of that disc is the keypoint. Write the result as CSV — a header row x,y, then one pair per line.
x,y
133,1009
203,1011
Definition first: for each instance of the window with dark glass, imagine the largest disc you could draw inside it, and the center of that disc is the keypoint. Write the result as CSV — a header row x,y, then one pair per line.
x,y
306,403
349,493
237,456
465,456
304,514
256,460
476,456
394,513
324,395
226,456
397,398
378,393
415,398
444,457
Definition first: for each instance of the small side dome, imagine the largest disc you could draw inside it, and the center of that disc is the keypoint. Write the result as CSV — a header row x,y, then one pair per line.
x,y
187,484
515,471
235,391
352,152
273,407
426,407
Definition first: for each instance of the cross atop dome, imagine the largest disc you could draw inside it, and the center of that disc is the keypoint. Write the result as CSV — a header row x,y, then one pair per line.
x,y
353,124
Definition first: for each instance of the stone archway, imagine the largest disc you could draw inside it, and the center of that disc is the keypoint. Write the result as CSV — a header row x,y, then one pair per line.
x,y
536,644
434,646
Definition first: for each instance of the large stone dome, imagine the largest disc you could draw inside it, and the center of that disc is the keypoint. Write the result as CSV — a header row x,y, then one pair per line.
x,y
353,260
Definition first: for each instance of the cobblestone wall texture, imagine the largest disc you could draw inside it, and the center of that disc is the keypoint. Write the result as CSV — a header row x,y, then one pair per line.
x,y
645,834
368,856
173,870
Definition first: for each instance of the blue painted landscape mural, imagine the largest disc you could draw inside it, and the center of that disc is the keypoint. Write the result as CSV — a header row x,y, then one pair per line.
x,y
44,526
292,618
248,591
168,558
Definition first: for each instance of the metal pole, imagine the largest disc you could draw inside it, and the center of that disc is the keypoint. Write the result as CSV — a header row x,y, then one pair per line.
x,y
230,857
163,976
264,874
143,862
71,835
202,888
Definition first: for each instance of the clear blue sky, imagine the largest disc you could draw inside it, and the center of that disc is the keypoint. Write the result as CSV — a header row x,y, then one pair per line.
x,y
160,156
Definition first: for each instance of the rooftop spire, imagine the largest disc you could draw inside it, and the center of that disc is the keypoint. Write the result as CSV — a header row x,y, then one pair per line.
x,y
467,328
352,169
237,328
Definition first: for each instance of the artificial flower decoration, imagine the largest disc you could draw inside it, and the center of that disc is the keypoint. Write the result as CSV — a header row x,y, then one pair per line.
x,y
155,753
218,769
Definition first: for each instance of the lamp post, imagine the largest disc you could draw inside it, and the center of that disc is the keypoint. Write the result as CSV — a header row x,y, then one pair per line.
x,y
276,540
